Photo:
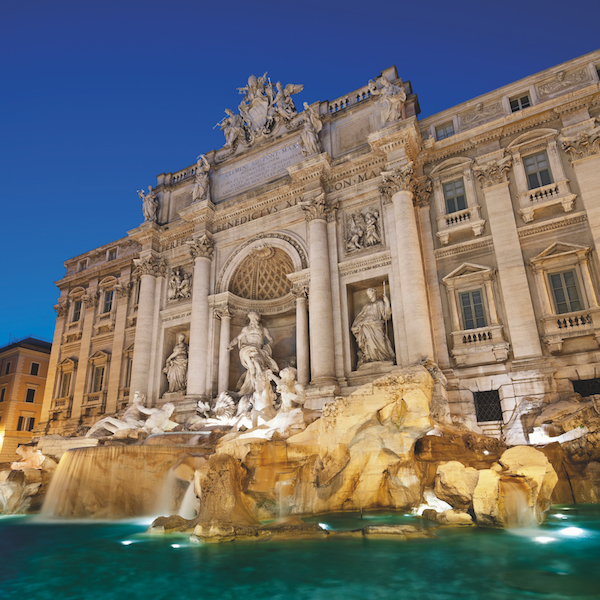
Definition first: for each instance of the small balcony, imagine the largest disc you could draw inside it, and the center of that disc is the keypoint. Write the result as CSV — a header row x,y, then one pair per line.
x,y
95,401
459,221
547,196
558,328
62,407
481,346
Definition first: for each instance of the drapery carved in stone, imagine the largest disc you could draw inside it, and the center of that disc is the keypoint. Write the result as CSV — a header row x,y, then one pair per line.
x,y
262,274
201,247
363,230
319,208
587,143
493,172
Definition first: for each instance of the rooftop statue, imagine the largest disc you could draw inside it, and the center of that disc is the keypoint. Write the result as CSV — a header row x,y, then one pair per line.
x,y
309,138
201,189
149,204
391,99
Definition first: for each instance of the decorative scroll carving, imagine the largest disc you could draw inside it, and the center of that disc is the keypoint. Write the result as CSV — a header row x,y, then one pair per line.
x,y
62,308
201,247
180,284
150,265
300,291
422,192
90,300
562,81
222,311
398,180
123,289
363,230
318,208
493,172
587,143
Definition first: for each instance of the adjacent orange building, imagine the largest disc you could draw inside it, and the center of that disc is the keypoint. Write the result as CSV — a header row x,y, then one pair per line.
x,y
23,372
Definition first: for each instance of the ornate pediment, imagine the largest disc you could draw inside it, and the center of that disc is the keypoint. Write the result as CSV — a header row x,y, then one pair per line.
x,y
99,357
67,364
452,164
468,269
559,249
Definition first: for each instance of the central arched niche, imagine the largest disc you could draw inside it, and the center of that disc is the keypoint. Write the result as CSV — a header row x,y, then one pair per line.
x,y
260,283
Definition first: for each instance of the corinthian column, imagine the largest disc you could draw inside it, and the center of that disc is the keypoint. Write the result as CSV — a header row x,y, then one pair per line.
x,y
224,356
201,250
399,185
150,268
322,346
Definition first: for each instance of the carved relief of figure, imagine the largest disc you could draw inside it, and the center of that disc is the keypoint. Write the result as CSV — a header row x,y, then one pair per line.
x,y
255,354
309,137
372,236
176,365
369,330
149,204
130,419
179,285
233,127
201,189
391,99
355,233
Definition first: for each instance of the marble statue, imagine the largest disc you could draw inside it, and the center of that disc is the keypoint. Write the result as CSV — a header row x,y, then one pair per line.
x,y
176,365
158,420
233,127
129,420
255,354
285,106
309,137
201,189
32,458
179,285
391,99
290,391
372,236
362,230
149,204
369,330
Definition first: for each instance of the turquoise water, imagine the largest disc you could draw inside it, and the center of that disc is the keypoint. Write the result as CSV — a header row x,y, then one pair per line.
x,y
83,561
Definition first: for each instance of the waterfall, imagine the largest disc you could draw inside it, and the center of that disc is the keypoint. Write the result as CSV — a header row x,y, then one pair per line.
x,y
187,510
517,512
109,482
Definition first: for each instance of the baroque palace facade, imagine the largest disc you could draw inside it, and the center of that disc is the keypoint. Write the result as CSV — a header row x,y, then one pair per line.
x,y
481,224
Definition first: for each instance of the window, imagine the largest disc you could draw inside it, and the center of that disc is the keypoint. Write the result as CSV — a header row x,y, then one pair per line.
x,y
82,265
471,305
112,254
2,394
108,301
76,311
7,370
98,379
35,368
587,387
454,195
65,385
519,103
30,396
487,406
444,131
565,292
537,170
26,424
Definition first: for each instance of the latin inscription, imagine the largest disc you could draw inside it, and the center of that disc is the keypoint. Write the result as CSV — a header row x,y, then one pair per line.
x,y
353,180
258,171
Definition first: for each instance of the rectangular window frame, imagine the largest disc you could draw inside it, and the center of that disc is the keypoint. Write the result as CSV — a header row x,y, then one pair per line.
x,y
2,394
30,395
111,254
65,384
488,406
25,423
444,131
76,316
478,320
7,369
454,202
537,176
570,304
519,102
98,379
35,369
107,303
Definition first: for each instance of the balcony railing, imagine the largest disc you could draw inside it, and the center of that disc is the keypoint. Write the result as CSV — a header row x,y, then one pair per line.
x,y
547,196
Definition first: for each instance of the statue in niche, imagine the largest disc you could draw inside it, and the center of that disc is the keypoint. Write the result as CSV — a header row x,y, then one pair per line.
x,y
149,204
179,285
233,127
362,231
255,354
201,189
369,330
176,366
309,137
391,99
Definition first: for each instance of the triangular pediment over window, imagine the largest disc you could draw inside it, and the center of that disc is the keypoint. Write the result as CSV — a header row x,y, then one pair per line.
x,y
99,356
468,269
559,249
67,363
452,164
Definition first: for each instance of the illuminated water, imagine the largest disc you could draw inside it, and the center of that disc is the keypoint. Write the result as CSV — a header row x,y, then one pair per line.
x,y
105,561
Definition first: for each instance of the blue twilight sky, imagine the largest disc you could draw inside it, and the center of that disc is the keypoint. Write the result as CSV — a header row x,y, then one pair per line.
x,y
100,97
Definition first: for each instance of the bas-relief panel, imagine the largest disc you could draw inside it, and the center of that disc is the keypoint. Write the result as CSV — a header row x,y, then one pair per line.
x,y
562,82
351,134
362,229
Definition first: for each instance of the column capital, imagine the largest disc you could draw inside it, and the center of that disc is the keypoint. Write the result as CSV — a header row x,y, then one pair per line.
x,y
400,179
150,265
317,207
122,289
493,172
584,145
201,247
300,292
62,308
422,192
222,311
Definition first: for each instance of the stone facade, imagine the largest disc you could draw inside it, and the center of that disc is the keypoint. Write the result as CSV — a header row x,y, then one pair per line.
x,y
481,224
23,372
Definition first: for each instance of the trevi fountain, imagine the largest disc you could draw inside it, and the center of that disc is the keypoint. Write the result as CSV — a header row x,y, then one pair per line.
x,y
278,483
